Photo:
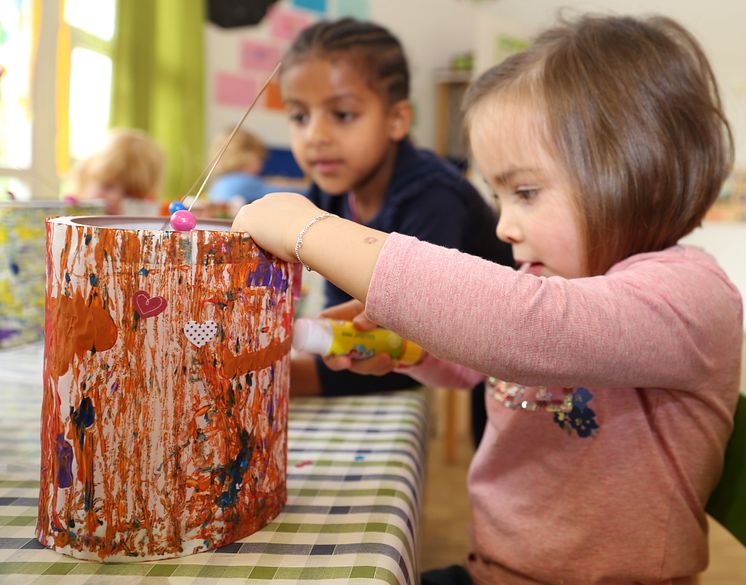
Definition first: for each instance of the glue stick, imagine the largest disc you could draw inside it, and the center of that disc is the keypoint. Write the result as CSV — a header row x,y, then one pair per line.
x,y
329,337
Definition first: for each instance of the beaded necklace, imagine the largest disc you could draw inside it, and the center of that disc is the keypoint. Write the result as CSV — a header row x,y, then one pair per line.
x,y
514,396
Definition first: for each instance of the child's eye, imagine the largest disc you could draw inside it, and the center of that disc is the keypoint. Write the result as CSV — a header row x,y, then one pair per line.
x,y
298,117
526,193
344,116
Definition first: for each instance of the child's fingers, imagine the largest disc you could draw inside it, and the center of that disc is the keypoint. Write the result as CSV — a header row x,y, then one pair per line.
x,y
361,321
352,310
378,365
338,362
275,221
344,311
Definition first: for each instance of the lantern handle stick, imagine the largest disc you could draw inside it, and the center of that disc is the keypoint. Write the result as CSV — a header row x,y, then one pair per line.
x,y
223,148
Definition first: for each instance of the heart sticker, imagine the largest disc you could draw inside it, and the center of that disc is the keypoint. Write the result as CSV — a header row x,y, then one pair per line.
x,y
200,333
148,306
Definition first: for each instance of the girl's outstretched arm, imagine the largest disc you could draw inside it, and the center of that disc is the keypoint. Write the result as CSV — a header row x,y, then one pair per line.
x,y
340,250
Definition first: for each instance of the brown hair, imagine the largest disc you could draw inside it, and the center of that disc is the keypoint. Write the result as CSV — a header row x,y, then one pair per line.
x,y
129,157
378,53
633,113
242,147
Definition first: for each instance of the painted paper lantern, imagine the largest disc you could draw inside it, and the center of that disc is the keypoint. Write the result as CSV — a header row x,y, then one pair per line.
x,y
22,266
166,374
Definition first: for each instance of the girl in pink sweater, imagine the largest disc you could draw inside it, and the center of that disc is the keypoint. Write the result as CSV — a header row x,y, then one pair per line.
x,y
614,354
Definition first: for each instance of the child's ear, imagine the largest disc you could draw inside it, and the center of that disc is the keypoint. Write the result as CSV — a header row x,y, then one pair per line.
x,y
400,120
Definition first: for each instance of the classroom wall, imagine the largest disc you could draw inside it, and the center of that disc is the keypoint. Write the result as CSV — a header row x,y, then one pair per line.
x,y
445,27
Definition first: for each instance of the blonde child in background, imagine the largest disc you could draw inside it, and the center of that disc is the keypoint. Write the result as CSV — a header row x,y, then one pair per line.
x,y
236,176
615,351
345,85
124,174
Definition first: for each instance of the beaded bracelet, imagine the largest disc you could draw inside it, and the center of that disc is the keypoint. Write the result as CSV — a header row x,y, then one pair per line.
x,y
301,233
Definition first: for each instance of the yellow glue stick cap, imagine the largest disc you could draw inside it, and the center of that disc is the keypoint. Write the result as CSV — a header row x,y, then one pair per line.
x,y
411,353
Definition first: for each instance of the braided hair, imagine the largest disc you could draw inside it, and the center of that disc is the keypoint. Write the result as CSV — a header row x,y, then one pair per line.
x,y
378,54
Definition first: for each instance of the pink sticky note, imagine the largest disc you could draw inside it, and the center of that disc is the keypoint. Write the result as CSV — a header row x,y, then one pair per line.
x,y
259,55
286,24
234,90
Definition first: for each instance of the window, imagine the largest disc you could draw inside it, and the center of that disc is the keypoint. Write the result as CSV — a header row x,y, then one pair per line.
x,y
55,90
16,41
91,25
95,17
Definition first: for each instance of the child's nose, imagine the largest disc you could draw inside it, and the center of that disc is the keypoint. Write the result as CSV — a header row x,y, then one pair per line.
x,y
508,229
317,130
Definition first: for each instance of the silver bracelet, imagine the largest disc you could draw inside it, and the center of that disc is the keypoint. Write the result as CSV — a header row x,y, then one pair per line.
x,y
299,238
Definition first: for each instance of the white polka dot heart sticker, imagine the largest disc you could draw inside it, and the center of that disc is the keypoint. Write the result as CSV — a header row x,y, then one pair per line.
x,y
200,334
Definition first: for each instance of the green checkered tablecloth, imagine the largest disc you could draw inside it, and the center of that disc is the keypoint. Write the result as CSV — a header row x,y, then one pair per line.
x,y
355,478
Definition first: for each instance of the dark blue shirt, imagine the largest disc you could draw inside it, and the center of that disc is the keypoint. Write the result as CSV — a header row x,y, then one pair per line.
x,y
428,198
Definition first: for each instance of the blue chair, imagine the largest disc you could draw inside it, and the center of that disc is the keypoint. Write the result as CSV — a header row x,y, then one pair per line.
x,y
727,504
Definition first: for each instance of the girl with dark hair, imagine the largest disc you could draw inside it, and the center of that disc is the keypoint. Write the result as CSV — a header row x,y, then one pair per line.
x,y
345,85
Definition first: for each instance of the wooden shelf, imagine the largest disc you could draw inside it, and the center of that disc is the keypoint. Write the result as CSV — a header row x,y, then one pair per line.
x,y
452,76
450,86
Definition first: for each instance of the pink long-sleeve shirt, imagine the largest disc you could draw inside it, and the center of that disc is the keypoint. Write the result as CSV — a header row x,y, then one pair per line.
x,y
614,493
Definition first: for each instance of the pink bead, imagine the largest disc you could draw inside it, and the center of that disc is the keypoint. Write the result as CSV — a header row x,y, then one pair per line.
x,y
183,220
70,199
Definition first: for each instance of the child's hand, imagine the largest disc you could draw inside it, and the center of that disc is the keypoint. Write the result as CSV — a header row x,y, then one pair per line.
x,y
275,220
353,310
378,365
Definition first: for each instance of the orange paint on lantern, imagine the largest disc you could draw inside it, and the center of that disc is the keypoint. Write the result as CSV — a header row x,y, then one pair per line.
x,y
175,452
81,326
239,365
